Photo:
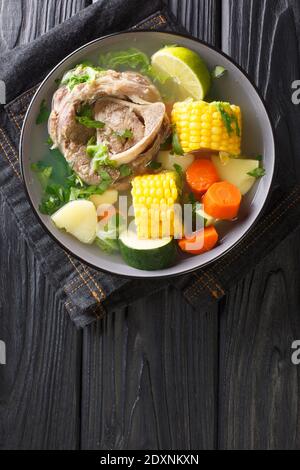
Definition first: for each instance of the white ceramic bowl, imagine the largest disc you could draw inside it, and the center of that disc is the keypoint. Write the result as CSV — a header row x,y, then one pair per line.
x,y
235,86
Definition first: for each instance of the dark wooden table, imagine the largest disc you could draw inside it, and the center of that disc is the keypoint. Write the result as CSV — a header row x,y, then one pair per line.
x,y
159,375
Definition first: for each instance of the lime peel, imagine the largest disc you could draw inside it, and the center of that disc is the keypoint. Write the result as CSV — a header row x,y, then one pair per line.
x,y
186,68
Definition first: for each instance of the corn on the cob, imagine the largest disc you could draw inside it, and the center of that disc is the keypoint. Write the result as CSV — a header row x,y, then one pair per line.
x,y
215,126
154,197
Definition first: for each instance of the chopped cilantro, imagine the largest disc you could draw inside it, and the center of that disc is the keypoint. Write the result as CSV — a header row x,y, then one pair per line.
x,y
43,171
82,73
106,244
130,58
178,169
92,141
126,134
86,191
198,219
44,113
75,80
54,197
167,144
176,145
85,117
228,119
49,141
60,184
154,165
85,110
125,170
90,123
100,156
257,173
134,59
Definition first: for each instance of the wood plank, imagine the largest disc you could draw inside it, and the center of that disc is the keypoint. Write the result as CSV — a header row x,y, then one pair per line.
x,y
23,21
253,34
39,396
149,371
150,377
40,385
259,386
201,19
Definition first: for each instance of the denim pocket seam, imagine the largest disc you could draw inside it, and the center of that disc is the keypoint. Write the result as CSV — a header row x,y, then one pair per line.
x,y
9,153
157,20
86,275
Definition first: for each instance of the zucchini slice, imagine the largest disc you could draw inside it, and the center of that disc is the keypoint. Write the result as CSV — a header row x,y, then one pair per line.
x,y
148,254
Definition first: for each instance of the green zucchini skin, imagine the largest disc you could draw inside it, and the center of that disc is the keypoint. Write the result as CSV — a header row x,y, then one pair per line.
x,y
149,260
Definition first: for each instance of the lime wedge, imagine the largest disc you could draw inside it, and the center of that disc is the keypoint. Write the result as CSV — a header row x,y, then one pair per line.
x,y
185,68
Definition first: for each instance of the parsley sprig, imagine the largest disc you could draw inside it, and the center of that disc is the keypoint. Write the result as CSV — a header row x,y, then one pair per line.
x,y
131,58
85,117
82,73
60,184
229,119
125,134
153,165
257,173
100,157
44,113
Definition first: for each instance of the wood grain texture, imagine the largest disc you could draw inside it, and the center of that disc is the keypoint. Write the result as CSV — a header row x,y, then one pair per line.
x,y
40,385
201,18
149,377
155,376
259,387
263,37
149,372
22,21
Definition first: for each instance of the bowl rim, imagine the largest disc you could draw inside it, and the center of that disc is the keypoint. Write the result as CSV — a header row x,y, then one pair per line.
x,y
152,276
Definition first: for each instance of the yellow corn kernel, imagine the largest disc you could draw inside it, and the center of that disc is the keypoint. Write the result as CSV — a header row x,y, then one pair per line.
x,y
204,125
154,197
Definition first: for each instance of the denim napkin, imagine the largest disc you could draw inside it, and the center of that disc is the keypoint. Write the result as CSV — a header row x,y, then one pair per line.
x,y
89,294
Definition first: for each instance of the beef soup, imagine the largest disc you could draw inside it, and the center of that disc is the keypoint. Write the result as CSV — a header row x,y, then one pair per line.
x,y
141,164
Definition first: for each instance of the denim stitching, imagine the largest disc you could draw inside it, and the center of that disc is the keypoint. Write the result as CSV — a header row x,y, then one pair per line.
x,y
194,289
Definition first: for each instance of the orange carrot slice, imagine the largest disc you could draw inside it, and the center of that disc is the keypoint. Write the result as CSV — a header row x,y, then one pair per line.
x,y
222,201
201,175
201,242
